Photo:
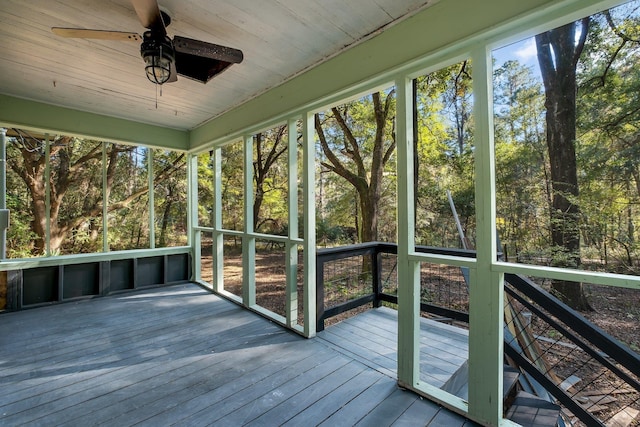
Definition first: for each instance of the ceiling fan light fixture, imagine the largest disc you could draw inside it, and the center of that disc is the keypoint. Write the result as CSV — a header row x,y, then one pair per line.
x,y
158,55
165,58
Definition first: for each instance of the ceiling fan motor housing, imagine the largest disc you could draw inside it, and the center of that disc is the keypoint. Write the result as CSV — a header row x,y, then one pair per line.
x,y
159,55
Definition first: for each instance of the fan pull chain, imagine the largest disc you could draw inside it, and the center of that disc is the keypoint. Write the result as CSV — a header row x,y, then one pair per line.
x,y
157,83
162,76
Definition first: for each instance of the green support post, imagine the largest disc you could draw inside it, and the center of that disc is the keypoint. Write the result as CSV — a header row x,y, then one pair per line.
x,y
218,236
408,270
105,201
47,195
486,290
152,203
248,241
4,213
308,182
194,236
291,246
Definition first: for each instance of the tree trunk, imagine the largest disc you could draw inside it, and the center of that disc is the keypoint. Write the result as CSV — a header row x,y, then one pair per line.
x,y
39,218
165,218
269,148
258,177
558,54
367,180
369,209
258,198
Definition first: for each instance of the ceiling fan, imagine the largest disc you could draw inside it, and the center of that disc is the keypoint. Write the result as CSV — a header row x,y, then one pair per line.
x,y
165,58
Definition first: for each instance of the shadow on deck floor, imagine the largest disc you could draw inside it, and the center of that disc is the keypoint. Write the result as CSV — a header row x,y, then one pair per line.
x,y
181,356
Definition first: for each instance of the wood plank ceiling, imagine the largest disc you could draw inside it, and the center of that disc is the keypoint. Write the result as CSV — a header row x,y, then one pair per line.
x,y
279,38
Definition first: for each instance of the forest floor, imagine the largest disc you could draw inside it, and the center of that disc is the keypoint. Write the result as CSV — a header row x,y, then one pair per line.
x,y
617,312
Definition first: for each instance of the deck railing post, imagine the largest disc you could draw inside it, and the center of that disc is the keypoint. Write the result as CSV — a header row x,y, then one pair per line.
x,y
309,212
319,294
376,275
291,247
4,213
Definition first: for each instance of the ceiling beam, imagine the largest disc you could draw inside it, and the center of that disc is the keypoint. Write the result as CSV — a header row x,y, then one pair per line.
x,y
37,116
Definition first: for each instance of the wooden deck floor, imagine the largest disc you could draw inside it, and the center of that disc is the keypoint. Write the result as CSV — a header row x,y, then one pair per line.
x,y
371,338
182,356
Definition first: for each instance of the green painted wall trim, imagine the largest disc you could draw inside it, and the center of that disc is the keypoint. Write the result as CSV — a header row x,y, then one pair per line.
x,y
442,25
17,112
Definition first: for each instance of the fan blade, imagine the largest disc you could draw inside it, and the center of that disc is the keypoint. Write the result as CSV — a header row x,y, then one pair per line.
x,y
199,68
174,74
96,34
149,15
207,50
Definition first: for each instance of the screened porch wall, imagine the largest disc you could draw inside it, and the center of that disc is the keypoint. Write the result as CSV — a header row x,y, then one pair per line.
x,y
353,76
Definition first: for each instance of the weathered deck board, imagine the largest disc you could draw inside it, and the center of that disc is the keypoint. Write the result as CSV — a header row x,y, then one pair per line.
x,y
371,337
182,356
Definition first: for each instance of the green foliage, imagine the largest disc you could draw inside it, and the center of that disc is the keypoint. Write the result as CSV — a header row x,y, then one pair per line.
x,y
75,195
205,189
328,234
607,151
521,159
445,155
270,176
356,156
20,237
232,186
128,220
170,190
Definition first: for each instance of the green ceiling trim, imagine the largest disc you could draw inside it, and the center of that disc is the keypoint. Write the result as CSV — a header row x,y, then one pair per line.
x,y
17,112
435,28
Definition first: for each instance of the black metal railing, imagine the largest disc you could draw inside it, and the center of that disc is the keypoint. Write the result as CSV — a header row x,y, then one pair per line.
x,y
590,373
352,276
563,357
